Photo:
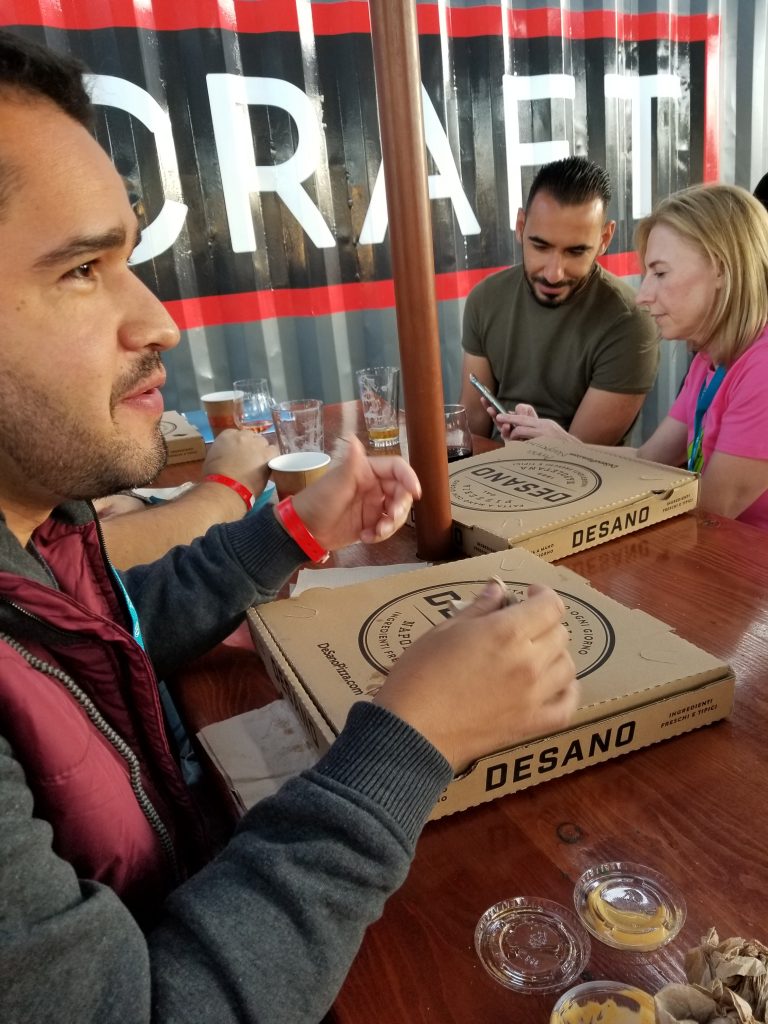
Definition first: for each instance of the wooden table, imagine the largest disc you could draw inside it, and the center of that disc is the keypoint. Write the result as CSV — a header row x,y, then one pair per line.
x,y
693,806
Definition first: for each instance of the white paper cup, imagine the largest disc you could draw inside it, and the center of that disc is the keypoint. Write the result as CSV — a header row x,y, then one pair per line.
x,y
294,471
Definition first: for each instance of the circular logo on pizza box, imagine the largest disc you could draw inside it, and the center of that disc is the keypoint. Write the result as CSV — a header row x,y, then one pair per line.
x,y
387,632
521,485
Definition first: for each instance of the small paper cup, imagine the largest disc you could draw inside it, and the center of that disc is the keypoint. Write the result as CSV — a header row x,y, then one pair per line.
x,y
294,471
220,409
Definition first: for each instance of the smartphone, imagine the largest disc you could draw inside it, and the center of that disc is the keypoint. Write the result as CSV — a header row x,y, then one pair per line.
x,y
486,393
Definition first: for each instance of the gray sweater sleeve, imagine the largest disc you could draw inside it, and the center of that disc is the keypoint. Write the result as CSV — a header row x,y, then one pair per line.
x,y
265,933
194,596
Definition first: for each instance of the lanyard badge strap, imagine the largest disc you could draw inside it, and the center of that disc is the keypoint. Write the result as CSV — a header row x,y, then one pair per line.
x,y
703,402
135,626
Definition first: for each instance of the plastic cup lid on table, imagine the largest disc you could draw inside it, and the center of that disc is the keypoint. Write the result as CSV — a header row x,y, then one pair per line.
x,y
532,945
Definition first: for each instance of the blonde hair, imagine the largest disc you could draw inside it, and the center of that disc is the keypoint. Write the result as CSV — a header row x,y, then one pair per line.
x,y
730,228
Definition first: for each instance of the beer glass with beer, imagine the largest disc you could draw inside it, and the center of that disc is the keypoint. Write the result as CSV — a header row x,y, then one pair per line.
x,y
379,388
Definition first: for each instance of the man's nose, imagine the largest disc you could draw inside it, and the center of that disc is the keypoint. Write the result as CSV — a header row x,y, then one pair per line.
x,y
147,323
553,269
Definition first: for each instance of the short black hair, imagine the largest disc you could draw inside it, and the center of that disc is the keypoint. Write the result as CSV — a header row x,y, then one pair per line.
x,y
571,182
34,70
761,191
31,71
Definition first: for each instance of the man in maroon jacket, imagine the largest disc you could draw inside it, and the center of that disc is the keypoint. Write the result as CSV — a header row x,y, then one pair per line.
x,y
96,827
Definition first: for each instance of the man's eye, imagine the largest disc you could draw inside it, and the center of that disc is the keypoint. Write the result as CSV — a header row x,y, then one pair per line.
x,y
82,272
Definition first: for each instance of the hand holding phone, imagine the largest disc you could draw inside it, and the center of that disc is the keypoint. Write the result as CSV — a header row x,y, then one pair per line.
x,y
486,393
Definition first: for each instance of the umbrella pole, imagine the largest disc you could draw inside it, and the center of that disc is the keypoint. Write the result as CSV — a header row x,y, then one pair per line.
x,y
398,88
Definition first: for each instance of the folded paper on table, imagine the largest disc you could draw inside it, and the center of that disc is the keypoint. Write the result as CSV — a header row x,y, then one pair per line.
x,y
161,494
345,577
257,751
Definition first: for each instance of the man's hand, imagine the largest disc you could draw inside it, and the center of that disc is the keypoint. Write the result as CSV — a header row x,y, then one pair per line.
x,y
523,423
487,677
148,533
242,455
360,499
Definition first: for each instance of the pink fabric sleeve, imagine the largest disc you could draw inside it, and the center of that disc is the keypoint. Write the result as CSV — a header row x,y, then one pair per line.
x,y
744,424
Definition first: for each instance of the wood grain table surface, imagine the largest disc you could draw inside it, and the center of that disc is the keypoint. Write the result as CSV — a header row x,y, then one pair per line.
x,y
693,807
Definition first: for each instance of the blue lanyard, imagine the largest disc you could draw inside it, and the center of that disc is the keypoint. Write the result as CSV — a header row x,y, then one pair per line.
x,y
703,402
137,636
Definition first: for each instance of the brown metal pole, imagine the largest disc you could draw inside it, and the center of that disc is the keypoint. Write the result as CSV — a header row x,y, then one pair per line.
x,y
398,90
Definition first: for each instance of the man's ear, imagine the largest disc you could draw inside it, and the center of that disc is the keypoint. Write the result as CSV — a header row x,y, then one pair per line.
x,y
519,225
606,235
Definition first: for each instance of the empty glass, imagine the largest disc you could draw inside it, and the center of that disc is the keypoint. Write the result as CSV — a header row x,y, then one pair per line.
x,y
299,425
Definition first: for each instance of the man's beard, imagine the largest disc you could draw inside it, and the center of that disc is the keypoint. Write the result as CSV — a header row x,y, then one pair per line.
x,y
54,449
571,286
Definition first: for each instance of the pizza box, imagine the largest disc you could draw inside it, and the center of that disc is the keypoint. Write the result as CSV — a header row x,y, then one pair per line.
x,y
639,682
183,440
555,498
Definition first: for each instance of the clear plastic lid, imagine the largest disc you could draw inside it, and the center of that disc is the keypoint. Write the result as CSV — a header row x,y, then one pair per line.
x,y
604,1002
629,906
531,945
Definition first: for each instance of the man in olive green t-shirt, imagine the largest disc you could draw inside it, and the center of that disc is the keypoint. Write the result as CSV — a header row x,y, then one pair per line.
x,y
558,332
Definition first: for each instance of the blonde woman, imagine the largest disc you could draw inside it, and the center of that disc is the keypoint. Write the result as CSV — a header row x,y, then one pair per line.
x,y
704,253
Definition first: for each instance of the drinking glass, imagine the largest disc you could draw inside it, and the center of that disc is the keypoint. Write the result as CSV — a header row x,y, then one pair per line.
x,y
253,405
299,425
379,388
458,436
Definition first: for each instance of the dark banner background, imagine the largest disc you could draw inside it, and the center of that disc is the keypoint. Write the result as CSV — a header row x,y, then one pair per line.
x,y
202,261
304,316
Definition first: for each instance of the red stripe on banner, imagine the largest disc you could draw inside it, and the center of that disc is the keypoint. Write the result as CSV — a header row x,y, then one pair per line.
x,y
622,264
348,16
608,25
712,102
247,307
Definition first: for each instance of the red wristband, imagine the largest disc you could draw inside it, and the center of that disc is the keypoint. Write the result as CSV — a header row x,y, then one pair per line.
x,y
294,527
235,485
